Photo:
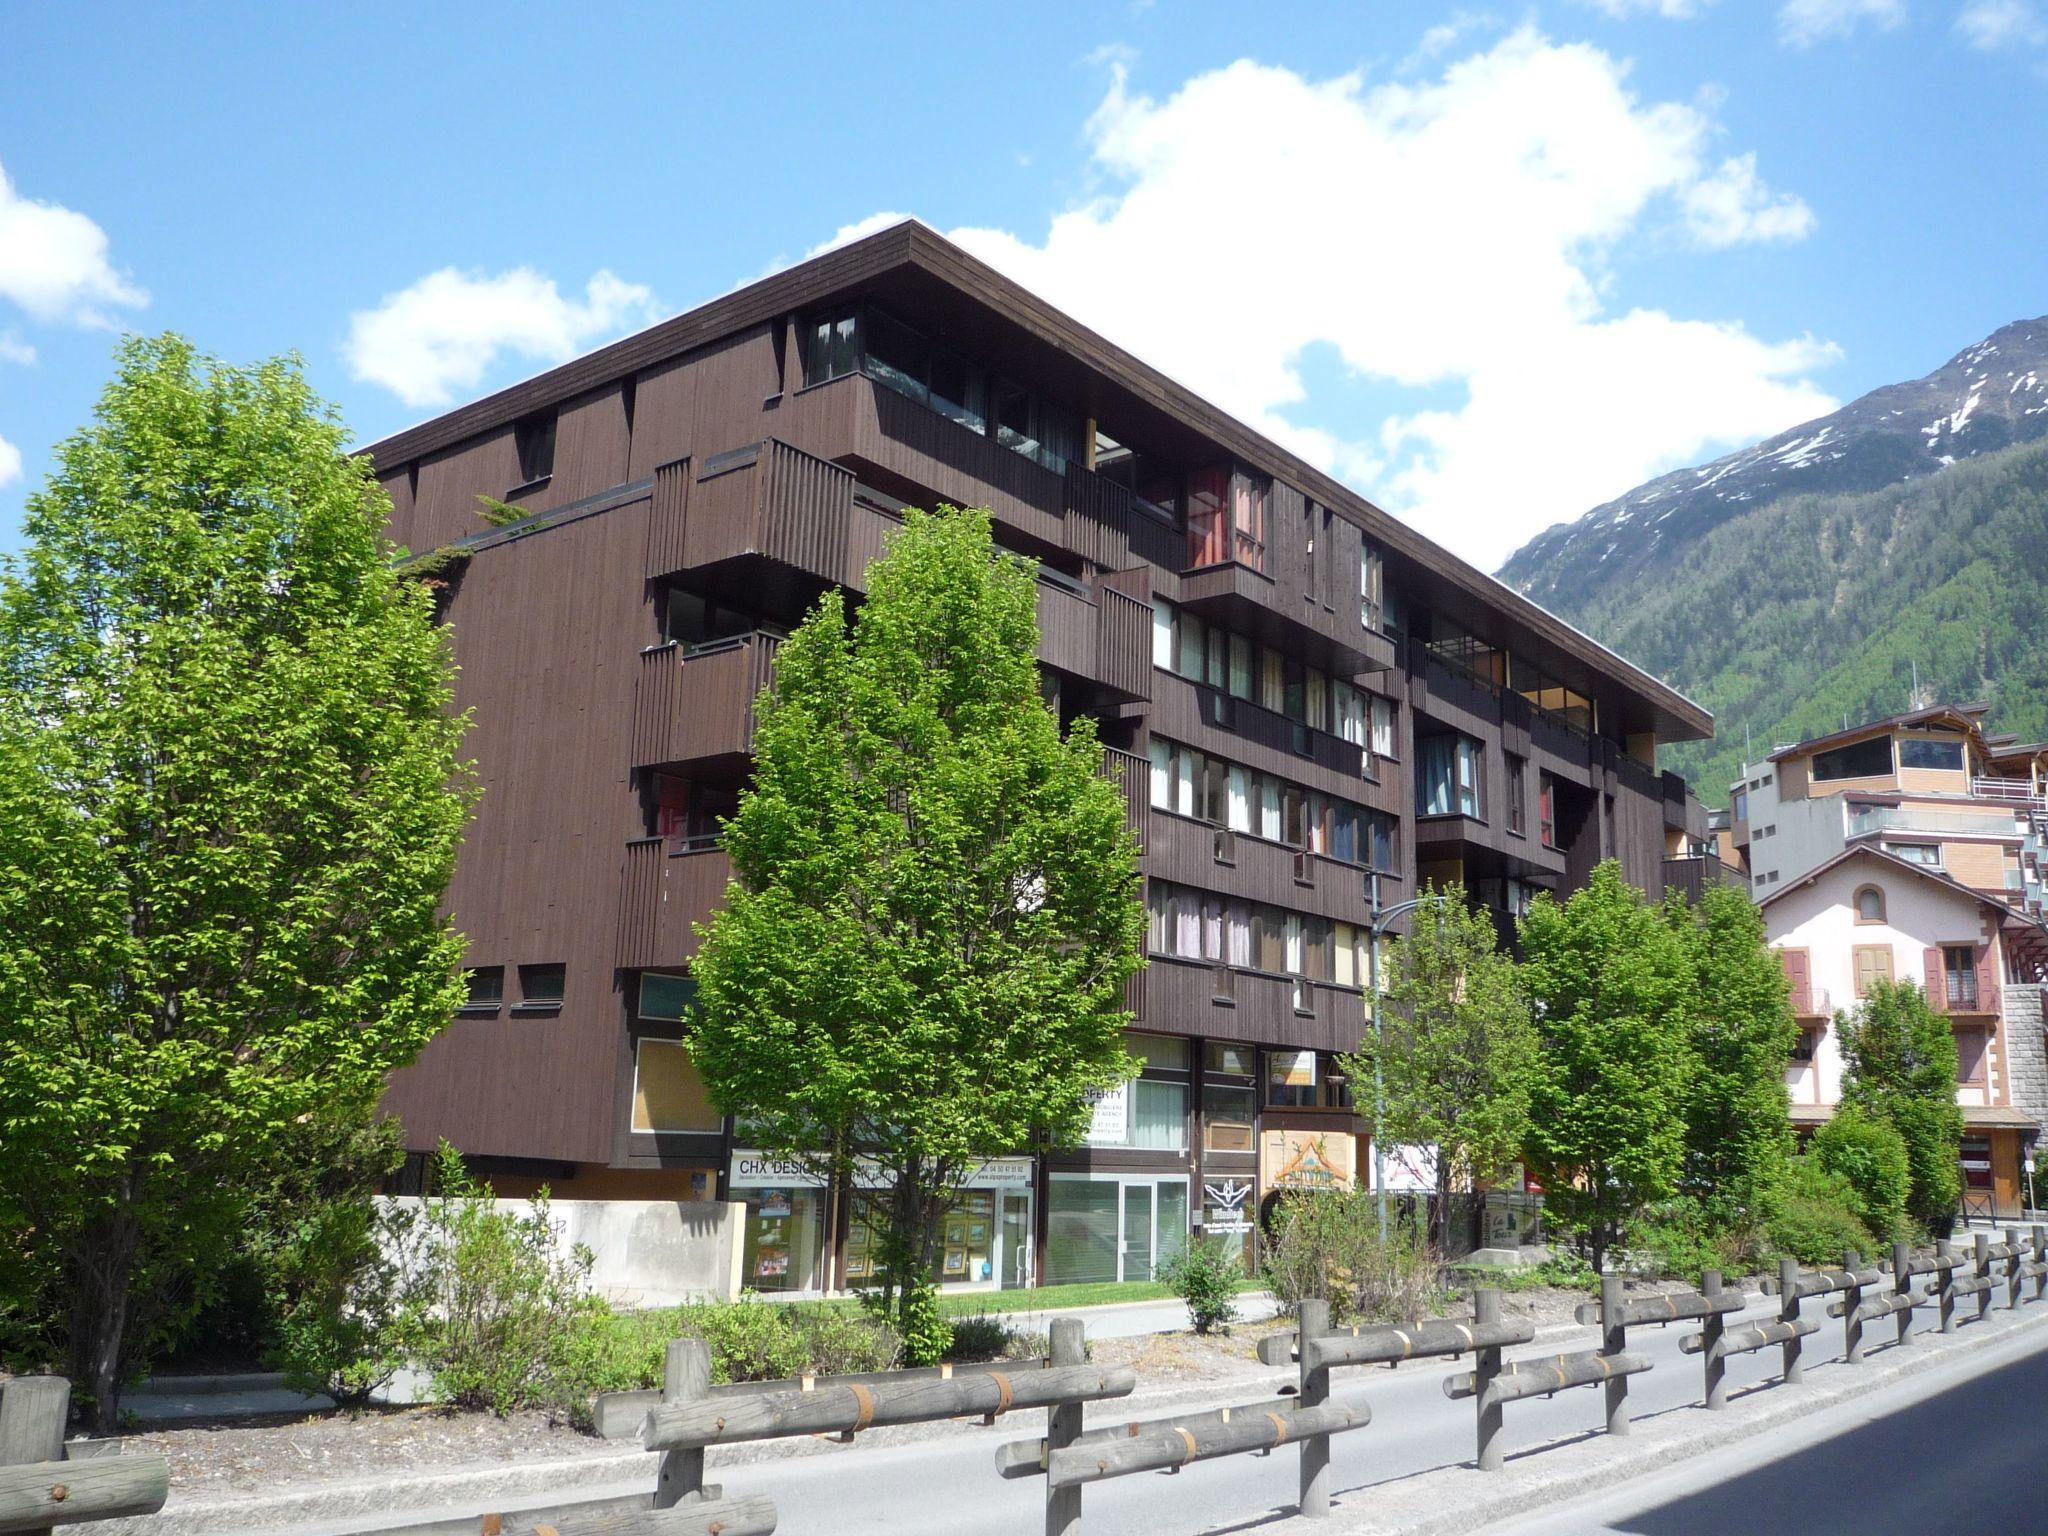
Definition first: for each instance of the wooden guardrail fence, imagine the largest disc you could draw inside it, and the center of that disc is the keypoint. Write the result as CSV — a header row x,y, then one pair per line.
x,y
41,1490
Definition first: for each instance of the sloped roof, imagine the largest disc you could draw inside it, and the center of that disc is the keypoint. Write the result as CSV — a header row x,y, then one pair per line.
x,y
1964,717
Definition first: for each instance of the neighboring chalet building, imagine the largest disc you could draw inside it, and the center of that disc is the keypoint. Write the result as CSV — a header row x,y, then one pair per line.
x,y
1295,690
1912,848
1867,915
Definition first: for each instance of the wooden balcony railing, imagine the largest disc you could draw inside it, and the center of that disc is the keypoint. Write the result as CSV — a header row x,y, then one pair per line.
x,y
693,703
666,887
1132,775
767,498
1123,643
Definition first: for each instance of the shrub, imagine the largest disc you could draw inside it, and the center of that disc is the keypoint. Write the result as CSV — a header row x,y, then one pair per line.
x,y
925,1333
1326,1244
1205,1275
350,1299
503,1301
1871,1156
1818,1219
1676,1240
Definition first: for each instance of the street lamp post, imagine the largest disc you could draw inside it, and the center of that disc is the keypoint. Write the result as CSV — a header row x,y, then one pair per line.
x,y
1381,920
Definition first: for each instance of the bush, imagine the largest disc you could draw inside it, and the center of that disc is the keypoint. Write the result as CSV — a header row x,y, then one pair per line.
x,y
1871,1156
502,1301
350,1299
1676,1240
1326,1244
1205,1275
1818,1219
992,1337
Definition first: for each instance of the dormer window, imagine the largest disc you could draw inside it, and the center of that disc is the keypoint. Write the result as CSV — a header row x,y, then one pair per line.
x,y
1870,759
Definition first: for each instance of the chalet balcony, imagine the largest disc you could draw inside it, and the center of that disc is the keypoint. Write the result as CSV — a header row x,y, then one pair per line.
x,y
923,457
695,704
767,499
1209,857
1697,874
666,885
1238,597
1192,997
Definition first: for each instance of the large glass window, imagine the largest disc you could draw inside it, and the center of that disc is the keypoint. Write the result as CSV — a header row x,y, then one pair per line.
x,y
1382,726
1447,776
669,1093
834,349
1870,759
1918,752
1188,924
784,1238
1229,1098
1372,585
1305,1080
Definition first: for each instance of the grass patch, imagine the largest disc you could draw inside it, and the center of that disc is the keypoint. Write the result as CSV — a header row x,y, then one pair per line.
x,y
1049,1298
1566,1274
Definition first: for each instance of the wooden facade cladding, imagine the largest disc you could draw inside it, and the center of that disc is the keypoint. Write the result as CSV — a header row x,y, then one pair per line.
x,y
1287,615
696,703
1241,732
1193,997
1097,517
1131,774
1123,643
664,888
1212,858
667,519
769,499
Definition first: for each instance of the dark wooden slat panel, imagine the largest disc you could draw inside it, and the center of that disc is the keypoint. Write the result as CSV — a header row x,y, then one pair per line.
x,y
1098,513
668,520
1123,643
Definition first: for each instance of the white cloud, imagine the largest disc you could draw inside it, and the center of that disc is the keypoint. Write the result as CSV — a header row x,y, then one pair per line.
x,y
10,461
859,229
1454,235
1670,10
446,330
14,350
1733,207
1802,23
53,263
1995,24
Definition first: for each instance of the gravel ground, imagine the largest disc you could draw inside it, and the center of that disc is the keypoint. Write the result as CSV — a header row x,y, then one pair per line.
x,y
234,1459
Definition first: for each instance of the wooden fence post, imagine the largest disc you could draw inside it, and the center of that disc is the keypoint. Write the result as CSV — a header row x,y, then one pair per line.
x,y
1852,1325
1485,1371
1713,1327
1315,1391
1945,1251
1902,1284
2041,1260
1063,1428
1613,1340
32,1414
2012,1268
686,1377
1984,1274
1788,1311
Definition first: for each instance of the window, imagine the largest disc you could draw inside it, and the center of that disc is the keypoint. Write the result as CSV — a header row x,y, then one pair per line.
x,y
1188,924
1305,1080
1917,752
486,988
1372,586
834,348
1382,726
1546,809
1517,771
1739,807
1447,776
668,1092
1918,853
1248,497
1973,1056
1873,964
1159,1098
666,998
1869,904
534,438
1870,759
1188,782
1806,1046
1229,1098
541,987
1959,976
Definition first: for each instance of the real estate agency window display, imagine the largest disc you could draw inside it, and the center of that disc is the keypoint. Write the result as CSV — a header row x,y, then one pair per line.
x,y
1122,1225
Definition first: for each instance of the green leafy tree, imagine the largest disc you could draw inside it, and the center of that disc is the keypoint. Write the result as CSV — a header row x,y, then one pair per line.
x,y
1870,1155
230,800
1740,1032
1899,1057
1454,1050
920,960
1608,977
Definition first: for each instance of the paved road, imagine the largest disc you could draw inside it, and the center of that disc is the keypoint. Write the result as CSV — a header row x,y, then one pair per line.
x,y
1970,1457
948,1486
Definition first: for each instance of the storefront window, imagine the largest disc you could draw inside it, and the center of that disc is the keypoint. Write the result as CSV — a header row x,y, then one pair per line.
x,y
784,1238
1229,1098
1112,1227
1305,1080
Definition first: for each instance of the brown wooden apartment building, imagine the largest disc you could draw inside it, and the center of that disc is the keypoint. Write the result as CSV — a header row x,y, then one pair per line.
x,y
1294,689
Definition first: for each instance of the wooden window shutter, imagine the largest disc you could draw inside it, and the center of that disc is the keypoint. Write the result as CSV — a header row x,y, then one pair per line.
x,y
1987,980
1799,972
1937,979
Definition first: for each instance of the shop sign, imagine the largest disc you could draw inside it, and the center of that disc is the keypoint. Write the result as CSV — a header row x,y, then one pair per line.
x,y
1226,1205
1411,1169
1111,1126
1297,1159
757,1170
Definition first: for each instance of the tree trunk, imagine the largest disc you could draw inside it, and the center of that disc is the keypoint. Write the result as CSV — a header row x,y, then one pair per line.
x,y
102,1275
1440,1218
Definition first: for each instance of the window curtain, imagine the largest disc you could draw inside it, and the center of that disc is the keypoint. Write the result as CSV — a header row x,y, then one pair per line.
x,y
1436,774
1382,727
1208,537
1162,636
1187,926
1238,928
1193,643
1273,682
1158,1116
1212,928
1184,782
1240,800
1162,774
1269,809
1240,667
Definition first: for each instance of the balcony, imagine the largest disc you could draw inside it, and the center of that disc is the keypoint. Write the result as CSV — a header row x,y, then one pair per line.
x,y
1240,598
1696,875
1865,819
766,499
667,885
1194,997
1209,857
695,704
1132,776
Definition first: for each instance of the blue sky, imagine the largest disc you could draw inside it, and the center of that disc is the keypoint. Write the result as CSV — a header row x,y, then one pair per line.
x,y
1491,265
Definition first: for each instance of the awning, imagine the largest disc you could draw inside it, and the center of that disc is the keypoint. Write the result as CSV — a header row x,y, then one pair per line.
x,y
1997,1117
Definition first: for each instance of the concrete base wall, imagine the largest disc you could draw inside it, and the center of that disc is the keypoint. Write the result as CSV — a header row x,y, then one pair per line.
x,y
650,1253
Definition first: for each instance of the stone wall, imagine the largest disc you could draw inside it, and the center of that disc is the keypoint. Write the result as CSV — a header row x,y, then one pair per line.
x,y
2026,1051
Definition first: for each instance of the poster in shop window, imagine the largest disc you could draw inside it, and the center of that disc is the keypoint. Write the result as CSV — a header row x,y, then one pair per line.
x,y
1110,1125
1226,1205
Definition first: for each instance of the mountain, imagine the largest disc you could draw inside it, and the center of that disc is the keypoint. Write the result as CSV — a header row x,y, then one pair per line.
x,y
1983,399
1823,572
